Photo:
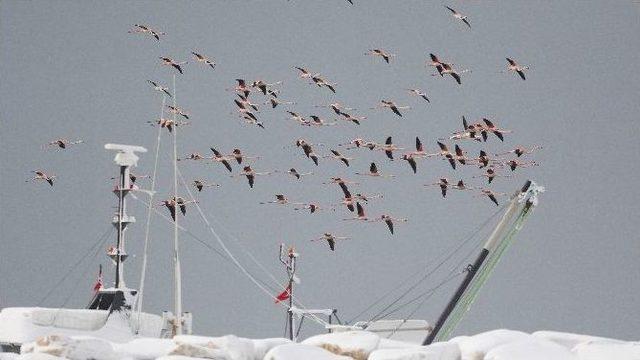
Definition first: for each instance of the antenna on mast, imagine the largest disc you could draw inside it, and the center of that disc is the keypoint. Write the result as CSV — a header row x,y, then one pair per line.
x,y
289,261
125,158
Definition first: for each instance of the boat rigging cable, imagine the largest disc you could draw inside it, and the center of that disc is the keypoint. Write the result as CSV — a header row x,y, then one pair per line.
x,y
182,228
223,256
77,283
229,256
452,275
151,193
196,238
97,244
447,257
233,259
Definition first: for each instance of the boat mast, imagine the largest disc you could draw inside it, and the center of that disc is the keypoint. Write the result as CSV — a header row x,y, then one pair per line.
x,y
472,269
125,158
290,264
176,250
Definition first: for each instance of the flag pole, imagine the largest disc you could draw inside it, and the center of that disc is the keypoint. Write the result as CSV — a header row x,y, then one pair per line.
x,y
289,261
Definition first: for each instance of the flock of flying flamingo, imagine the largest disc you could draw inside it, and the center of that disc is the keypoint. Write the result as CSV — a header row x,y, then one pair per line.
x,y
491,165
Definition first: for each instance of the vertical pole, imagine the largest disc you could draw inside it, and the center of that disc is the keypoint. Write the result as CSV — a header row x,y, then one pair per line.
x,y
176,251
120,239
291,329
290,266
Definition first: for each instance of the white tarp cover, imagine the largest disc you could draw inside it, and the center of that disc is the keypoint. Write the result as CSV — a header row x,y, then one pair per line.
x,y
17,325
77,319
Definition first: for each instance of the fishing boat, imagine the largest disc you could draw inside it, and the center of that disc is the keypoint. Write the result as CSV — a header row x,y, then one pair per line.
x,y
111,313
115,313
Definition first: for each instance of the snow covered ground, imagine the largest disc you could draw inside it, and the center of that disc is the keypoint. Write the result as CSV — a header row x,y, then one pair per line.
x,y
359,345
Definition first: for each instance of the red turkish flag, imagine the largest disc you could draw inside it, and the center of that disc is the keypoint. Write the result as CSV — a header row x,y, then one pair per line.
x,y
98,286
284,295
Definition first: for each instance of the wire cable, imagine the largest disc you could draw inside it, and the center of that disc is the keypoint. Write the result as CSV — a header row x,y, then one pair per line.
x,y
101,239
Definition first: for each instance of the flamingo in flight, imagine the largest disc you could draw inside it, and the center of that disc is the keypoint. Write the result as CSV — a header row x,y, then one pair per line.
x,y
338,156
435,62
247,114
361,214
420,93
308,150
388,147
410,158
359,143
171,204
373,171
133,177
461,186
144,29
448,69
459,16
329,238
298,175
387,219
281,200
340,181
241,87
218,157
337,108
354,119
460,155
383,54
444,151
443,183
251,174
203,59
519,151
244,102
239,156
304,73
420,152
318,121
469,131
251,119
178,111
176,65
275,102
489,126
392,105
42,176
312,207
193,156
491,195
484,160
322,82
265,87
491,174
200,185
62,143
514,164
513,66
168,123
158,87
297,117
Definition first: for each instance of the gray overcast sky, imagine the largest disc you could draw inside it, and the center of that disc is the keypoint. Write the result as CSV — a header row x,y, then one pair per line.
x,y
69,69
